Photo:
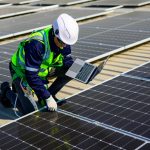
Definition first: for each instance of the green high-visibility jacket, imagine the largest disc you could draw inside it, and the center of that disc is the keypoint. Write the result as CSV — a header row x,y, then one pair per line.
x,y
18,59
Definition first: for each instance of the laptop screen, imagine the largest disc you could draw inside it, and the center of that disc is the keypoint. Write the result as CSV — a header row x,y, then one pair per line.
x,y
81,71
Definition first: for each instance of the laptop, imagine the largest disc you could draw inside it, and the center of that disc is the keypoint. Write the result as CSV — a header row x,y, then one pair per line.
x,y
84,71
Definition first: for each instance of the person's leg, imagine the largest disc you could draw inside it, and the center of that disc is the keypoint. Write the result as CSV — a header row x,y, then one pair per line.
x,y
60,81
27,103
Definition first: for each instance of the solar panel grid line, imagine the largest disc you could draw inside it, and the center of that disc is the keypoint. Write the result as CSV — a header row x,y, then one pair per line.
x,y
124,37
100,44
141,146
145,147
124,25
142,26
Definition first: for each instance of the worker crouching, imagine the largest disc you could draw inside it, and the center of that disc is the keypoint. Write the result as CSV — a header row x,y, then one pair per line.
x,y
45,53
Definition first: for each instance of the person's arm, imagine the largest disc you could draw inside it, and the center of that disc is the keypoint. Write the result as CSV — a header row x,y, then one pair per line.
x,y
68,60
33,59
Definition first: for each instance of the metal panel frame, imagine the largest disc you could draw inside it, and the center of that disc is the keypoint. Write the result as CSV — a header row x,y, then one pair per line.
x,y
27,11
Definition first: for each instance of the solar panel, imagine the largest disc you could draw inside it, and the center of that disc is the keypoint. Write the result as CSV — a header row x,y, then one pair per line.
x,y
142,72
143,26
18,1
116,37
112,35
110,23
25,24
101,38
134,3
10,11
47,130
121,103
58,2
145,147
141,15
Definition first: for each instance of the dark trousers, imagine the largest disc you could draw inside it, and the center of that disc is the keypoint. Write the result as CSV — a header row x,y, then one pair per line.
x,y
61,80
26,105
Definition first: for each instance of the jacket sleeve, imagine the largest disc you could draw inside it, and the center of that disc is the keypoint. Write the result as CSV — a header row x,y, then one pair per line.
x,y
68,60
33,59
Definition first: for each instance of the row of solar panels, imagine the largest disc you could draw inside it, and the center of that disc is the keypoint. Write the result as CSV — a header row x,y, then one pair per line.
x,y
96,40
72,2
51,2
112,115
12,10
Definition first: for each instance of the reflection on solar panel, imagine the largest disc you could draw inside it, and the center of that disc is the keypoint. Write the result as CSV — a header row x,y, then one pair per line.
x,y
119,2
58,2
17,25
58,131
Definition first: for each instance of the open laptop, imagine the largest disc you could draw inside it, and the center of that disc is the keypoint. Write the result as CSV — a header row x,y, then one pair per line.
x,y
84,71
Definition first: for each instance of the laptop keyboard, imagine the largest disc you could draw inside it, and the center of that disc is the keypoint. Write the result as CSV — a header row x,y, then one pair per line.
x,y
84,72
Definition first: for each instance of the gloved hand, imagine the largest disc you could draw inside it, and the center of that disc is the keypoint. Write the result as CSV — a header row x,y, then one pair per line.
x,y
51,104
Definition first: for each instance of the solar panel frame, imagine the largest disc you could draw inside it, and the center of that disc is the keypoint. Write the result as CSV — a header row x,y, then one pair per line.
x,y
11,11
18,2
124,3
58,2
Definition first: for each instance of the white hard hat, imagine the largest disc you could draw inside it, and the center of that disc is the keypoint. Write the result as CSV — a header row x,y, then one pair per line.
x,y
66,29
